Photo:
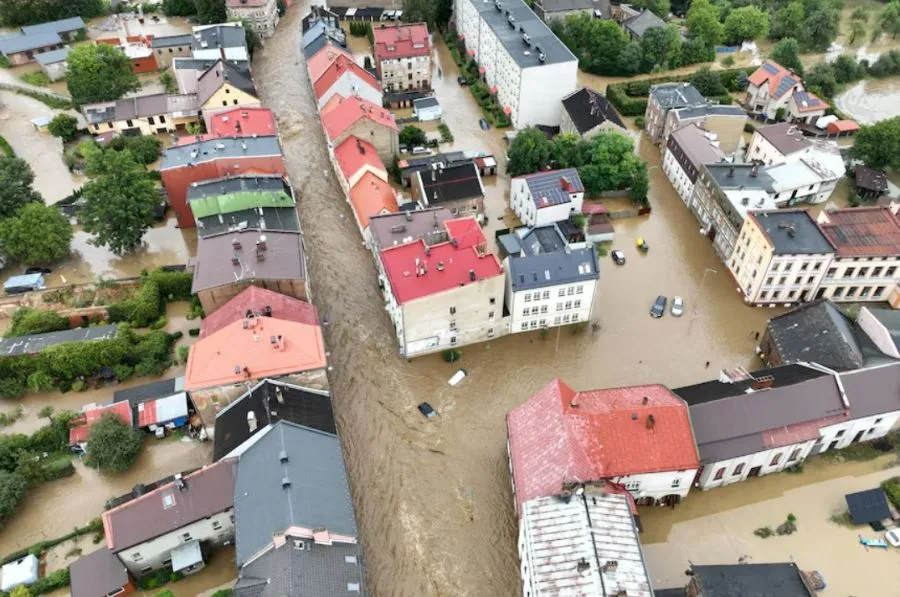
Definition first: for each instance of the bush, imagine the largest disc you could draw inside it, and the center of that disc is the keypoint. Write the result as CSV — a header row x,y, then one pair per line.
x,y
12,490
36,78
764,532
728,61
159,323
50,100
173,286
63,126
223,593
891,488
123,372
630,97
639,122
26,321
183,353
194,332
451,355
51,582
141,309
412,136
446,135
112,445
56,467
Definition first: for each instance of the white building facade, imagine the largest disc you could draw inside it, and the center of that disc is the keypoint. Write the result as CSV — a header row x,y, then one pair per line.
x,y
545,198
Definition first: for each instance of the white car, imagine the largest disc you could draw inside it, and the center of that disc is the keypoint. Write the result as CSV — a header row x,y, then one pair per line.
x,y
677,306
893,537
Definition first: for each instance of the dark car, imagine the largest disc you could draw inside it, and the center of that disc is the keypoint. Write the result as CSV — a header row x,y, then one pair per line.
x,y
38,270
618,257
462,81
484,124
659,307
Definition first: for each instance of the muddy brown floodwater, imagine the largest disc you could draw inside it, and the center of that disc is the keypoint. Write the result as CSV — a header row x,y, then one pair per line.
x,y
872,100
433,497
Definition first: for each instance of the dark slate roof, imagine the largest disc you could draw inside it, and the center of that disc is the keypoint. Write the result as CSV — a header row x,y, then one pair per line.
x,y
237,184
388,230
12,347
198,64
315,571
323,38
425,102
640,24
542,40
61,26
220,149
549,185
150,391
792,232
787,138
676,95
868,506
284,259
785,375
709,110
543,239
740,176
751,580
98,573
219,36
866,178
817,332
588,109
169,41
890,319
456,182
218,74
873,390
318,494
270,402
276,219
320,13
552,269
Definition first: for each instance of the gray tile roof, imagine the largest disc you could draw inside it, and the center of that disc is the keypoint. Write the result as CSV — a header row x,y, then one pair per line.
x,y
588,109
219,149
53,56
552,269
11,347
393,229
317,496
98,573
284,259
873,391
60,26
549,186
141,106
426,102
275,219
640,24
698,148
203,65
542,40
220,73
817,332
792,232
677,95
751,580
170,41
23,43
709,110
543,239
315,571
219,36
786,137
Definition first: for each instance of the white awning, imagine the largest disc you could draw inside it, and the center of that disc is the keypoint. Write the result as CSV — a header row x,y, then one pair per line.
x,y
185,556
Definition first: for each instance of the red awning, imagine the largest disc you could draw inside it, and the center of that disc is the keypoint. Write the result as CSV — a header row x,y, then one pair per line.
x,y
482,70
471,52
507,110
494,89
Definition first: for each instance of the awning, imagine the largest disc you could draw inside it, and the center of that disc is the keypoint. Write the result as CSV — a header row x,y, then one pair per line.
x,y
482,70
494,89
507,110
185,556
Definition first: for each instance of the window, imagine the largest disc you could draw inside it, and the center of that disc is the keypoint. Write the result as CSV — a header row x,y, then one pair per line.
x,y
782,280
224,102
453,324
150,120
559,306
839,433
574,317
579,289
492,301
524,326
556,320
570,291
490,314
863,272
787,266
769,280
235,102
562,292
804,266
838,292
568,305
543,309
851,292
543,323
776,266
136,556
129,123
890,271
865,291
831,272
676,483
719,474
848,273
792,294
738,469
817,266
775,459
577,304
534,310
878,291
452,310
877,421
162,119
794,455
565,319
533,324
527,297
632,485
146,569
186,537
216,525
764,295
490,332
810,279
525,312
545,295
452,340
227,90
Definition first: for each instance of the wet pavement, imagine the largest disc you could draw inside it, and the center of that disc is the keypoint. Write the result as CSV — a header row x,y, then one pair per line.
x,y
433,497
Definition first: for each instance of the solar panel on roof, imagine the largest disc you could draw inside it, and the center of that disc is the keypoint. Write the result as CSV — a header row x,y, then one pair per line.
x,y
770,68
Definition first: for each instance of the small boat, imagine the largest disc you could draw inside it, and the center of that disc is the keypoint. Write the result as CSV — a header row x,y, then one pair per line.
x,y
458,377
873,542
642,245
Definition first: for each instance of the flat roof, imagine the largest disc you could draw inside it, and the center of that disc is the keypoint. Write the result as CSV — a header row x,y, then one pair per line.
x,y
792,232
496,15
219,149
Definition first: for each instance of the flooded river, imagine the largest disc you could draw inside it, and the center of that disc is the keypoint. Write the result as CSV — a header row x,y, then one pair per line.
x,y
433,497
870,101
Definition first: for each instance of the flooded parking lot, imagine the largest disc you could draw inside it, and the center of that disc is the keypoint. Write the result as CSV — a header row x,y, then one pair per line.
x,y
433,497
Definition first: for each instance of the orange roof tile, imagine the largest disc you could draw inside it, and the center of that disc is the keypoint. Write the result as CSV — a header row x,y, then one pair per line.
x,y
349,110
331,104
400,41
254,298
319,61
83,422
243,122
354,154
862,231
234,353
334,71
780,79
372,196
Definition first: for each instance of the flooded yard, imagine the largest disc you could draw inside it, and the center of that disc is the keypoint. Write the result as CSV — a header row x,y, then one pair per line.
x,y
870,101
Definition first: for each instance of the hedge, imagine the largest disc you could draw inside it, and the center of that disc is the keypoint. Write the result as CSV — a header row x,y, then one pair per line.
x,y
630,97
26,321
148,304
94,526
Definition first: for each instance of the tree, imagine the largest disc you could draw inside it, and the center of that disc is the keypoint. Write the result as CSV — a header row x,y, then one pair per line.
x,y
746,23
821,80
847,70
211,11
703,22
878,145
820,28
32,12
443,13
412,136
145,149
282,7
597,42
179,8
27,321
99,73
251,36
529,152
787,53
788,20
611,163
63,126
112,445
695,50
708,83
37,235
12,490
660,8
415,11
16,178
657,46
21,591
889,19
630,59
857,32
47,413
119,204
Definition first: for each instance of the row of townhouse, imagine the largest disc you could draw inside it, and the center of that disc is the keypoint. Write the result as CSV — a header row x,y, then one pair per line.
x,y
672,106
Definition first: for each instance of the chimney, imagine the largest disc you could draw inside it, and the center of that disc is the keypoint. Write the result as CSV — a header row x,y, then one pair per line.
x,y
583,566
651,421
611,566
471,275
763,383
440,266
754,170
251,421
261,243
573,403
236,244
280,343
731,171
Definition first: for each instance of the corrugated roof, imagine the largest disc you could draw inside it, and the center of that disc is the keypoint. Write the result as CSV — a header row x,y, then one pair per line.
x,y
23,43
225,148
53,56
224,204
162,410
862,231
59,26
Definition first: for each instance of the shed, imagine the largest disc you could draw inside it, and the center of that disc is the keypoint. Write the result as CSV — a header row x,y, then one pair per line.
x,y
427,108
54,63
41,123
170,411
842,127
868,506
23,571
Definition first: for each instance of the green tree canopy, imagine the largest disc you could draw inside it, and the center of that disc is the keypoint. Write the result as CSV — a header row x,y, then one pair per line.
x,y
601,42
630,59
529,152
119,203
703,22
15,13
12,490
37,235
820,28
112,445
27,321
63,126
16,178
822,80
99,73
878,145
660,46
746,23
179,8
412,136
889,19
787,53
146,149
211,11
415,11
660,8
708,83
788,21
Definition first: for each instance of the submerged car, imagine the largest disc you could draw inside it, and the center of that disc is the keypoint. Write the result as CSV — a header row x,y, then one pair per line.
x,y
893,537
618,257
462,81
659,307
484,124
677,306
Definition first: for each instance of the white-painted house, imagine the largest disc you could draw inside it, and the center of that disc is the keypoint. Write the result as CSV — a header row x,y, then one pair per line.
x,y
686,151
545,198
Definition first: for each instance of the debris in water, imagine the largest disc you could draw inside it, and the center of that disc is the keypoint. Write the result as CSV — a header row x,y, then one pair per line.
x,y
458,377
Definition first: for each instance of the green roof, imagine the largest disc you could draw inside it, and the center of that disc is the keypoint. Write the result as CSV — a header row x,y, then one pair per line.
x,y
224,204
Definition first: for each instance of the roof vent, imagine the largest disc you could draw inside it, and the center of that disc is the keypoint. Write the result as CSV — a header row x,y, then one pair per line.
x,y
611,566
285,482
398,228
583,566
409,216
251,421
282,456
651,421
541,57
471,275
179,482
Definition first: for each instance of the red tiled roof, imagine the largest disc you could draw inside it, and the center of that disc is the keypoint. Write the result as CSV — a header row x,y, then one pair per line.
x,y
79,433
336,70
843,126
243,122
355,154
331,104
400,41
447,265
254,298
319,61
560,435
862,231
349,110
372,196
773,73
799,432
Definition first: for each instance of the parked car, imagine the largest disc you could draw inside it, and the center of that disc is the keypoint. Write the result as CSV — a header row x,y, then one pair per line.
x,y
484,124
618,257
462,81
659,307
38,270
419,150
677,306
893,537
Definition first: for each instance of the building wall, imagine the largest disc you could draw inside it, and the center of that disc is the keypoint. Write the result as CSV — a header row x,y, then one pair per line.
x,y
384,139
177,180
405,73
877,332
149,125
20,58
154,554
165,56
226,98
349,84
144,65
760,149
713,220
733,470
655,119
860,279
656,486
759,99
523,206
567,126
540,95
841,435
680,179
213,298
548,307
262,19
427,325
809,117
56,70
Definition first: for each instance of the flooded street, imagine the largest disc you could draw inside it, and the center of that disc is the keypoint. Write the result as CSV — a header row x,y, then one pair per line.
x,y
872,100
433,497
